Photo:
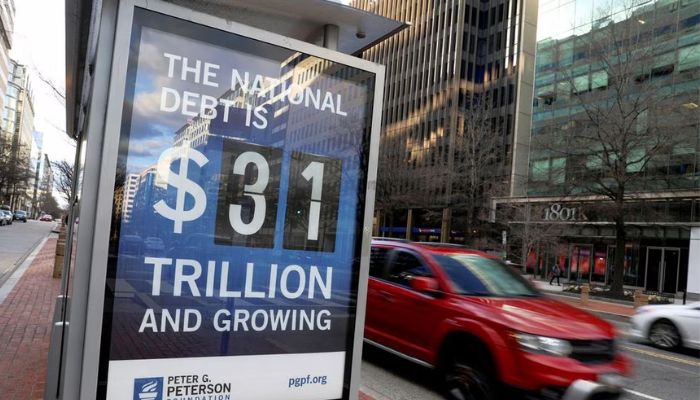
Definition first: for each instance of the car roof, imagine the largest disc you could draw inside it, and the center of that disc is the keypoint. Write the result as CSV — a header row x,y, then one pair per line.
x,y
432,247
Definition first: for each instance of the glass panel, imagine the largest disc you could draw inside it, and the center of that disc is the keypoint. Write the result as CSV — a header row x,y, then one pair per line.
x,y
585,262
406,266
540,170
563,90
566,53
531,261
545,91
580,262
636,160
690,38
599,79
476,275
581,83
664,59
631,267
558,170
689,57
670,278
598,273
653,267
594,162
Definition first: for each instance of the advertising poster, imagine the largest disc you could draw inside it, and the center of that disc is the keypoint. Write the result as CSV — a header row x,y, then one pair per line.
x,y
237,219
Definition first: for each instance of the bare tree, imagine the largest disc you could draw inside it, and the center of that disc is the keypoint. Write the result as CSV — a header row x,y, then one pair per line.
x,y
15,169
527,230
476,157
63,171
392,182
626,120
49,205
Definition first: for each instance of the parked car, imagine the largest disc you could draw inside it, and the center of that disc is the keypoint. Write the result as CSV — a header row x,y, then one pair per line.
x,y
46,217
7,216
481,326
20,215
668,326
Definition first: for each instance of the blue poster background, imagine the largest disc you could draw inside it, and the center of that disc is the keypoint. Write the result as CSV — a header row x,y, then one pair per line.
x,y
139,231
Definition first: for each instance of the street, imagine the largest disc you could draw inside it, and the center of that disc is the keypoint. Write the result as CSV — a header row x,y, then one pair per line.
x,y
658,374
17,241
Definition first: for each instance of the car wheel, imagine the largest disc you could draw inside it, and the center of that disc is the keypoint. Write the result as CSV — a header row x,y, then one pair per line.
x,y
664,334
466,376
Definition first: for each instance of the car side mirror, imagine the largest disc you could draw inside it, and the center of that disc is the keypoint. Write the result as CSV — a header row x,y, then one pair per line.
x,y
425,284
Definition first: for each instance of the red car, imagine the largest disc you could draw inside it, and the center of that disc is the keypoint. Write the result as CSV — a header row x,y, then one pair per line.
x,y
481,326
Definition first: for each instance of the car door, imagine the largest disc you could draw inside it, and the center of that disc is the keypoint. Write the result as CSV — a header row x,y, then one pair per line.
x,y
375,321
412,317
689,317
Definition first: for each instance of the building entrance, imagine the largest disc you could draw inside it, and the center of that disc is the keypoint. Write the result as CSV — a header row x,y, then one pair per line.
x,y
662,269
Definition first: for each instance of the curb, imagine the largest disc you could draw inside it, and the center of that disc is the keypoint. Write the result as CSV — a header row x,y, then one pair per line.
x,y
593,298
594,310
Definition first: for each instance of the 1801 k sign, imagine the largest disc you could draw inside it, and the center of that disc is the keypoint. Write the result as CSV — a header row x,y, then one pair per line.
x,y
237,218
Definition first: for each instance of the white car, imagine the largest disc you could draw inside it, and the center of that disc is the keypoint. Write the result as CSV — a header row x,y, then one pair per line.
x,y
668,326
7,216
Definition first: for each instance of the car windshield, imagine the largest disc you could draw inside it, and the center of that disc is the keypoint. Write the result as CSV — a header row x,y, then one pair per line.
x,y
481,276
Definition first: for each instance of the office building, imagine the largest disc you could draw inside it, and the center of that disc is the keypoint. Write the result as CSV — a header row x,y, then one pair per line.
x,y
37,172
131,185
460,61
615,107
7,27
16,138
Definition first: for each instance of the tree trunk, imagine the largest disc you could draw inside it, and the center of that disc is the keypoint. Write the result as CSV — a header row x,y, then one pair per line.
x,y
409,224
446,225
619,266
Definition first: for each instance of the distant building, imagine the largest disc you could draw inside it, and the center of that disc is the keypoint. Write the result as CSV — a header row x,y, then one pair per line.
x,y
572,78
36,162
457,53
16,134
131,185
7,27
46,185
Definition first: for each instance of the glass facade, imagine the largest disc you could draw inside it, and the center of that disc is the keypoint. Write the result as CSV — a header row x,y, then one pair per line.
x,y
610,71
457,63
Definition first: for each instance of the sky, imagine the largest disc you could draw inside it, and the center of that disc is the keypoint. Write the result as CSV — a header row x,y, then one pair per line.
x,y
39,43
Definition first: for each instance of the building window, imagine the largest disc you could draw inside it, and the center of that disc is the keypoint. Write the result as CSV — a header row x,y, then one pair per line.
x,y
689,58
636,160
599,79
539,172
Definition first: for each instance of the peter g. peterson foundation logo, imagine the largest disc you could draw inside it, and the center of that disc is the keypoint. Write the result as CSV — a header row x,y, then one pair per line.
x,y
148,389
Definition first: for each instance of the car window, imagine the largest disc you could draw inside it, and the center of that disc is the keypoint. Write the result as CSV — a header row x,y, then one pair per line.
x,y
377,261
482,276
405,266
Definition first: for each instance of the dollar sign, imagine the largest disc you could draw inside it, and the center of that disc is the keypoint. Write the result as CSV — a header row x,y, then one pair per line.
x,y
183,185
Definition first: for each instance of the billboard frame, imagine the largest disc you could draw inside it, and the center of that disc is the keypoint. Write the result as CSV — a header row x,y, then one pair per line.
x,y
108,165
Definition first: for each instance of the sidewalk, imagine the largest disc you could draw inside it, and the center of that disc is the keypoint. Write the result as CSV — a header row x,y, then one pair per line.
x,y
596,306
25,329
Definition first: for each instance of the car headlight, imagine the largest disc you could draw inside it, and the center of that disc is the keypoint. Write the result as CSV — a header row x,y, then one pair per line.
x,y
543,344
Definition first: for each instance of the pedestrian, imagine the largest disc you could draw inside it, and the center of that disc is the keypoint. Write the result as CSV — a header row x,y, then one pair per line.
x,y
555,273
